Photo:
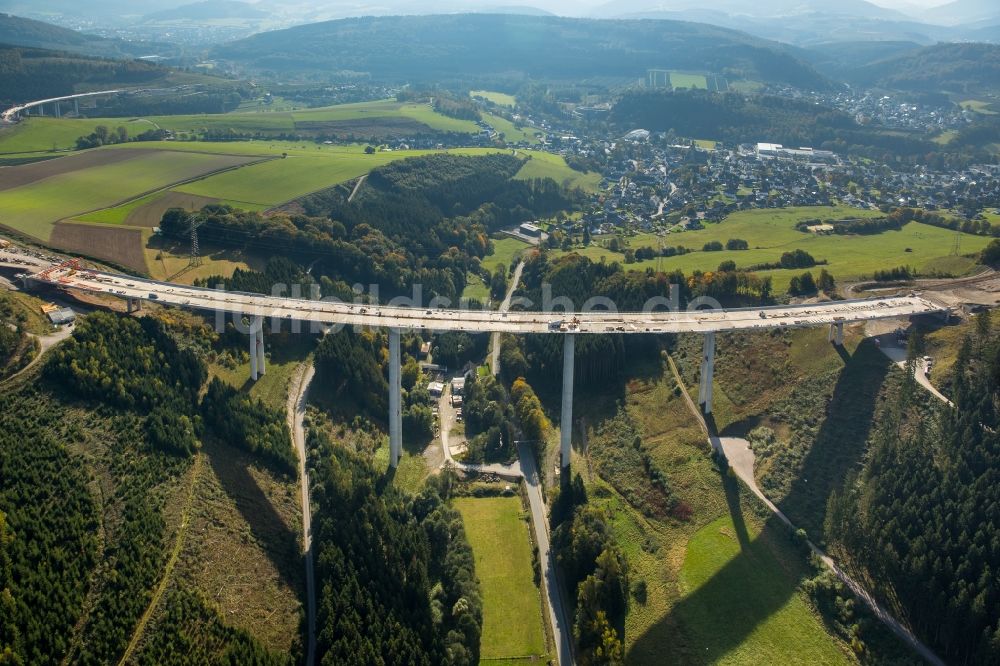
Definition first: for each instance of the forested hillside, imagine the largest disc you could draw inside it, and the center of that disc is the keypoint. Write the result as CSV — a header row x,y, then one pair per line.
x,y
112,427
18,31
477,46
32,73
922,519
959,68
423,220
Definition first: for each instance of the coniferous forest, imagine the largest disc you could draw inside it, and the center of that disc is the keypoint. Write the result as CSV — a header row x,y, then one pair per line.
x,y
923,517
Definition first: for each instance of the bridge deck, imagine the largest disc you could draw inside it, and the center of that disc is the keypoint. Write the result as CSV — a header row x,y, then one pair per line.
x,y
335,312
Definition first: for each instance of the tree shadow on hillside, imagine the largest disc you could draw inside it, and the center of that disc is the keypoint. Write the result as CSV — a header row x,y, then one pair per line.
x,y
278,542
840,443
720,615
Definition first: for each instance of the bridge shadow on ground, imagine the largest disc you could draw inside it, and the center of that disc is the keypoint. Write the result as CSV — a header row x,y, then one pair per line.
x,y
276,539
840,444
734,593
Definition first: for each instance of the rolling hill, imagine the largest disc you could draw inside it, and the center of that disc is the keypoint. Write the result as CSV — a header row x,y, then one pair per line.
x,y
478,46
957,68
18,31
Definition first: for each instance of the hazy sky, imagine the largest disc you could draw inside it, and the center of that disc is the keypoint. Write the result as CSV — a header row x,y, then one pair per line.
x,y
903,4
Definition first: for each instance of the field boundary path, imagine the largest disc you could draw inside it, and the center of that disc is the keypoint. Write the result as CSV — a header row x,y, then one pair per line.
x,y
742,462
357,186
175,553
45,342
504,306
296,421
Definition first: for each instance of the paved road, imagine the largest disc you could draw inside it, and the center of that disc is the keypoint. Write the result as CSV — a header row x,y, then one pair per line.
x,y
504,307
897,354
741,459
486,321
551,586
296,415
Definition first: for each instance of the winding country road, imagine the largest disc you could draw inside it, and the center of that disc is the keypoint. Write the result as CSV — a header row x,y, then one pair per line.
x,y
551,585
299,388
504,306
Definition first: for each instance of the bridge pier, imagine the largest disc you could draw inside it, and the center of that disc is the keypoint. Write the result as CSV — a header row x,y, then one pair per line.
x,y
836,335
566,420
57,112
133,305
76,107
395,397
707,374
257,368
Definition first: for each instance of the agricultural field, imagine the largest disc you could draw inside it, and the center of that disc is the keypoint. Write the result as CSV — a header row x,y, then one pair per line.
x,y
512,610
498,98
41,134
35,207
770,233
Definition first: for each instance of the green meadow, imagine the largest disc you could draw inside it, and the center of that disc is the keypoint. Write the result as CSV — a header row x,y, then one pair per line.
x,y
512,610
681,80
547,165
770,233
498,98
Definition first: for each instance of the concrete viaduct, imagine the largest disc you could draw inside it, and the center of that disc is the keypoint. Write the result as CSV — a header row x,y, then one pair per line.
x,y
708,323
14,112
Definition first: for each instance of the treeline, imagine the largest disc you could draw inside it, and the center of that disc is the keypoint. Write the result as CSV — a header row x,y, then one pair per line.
x,y
978,227
900,217
596,574
456,108
102,136
922,519
897,274
798,258
396,575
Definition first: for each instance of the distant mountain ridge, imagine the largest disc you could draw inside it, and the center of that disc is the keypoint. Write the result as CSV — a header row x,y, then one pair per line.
x,y
956,68
422,48
18,31
208,10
